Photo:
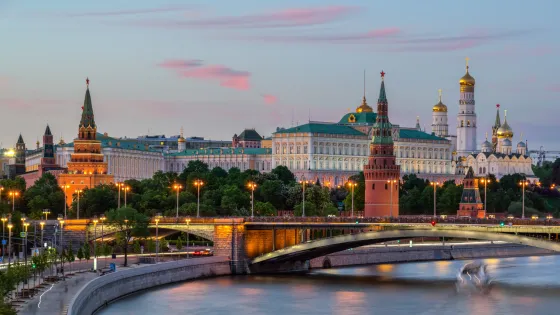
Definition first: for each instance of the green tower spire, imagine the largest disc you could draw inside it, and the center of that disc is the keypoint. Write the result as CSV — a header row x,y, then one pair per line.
x,y
382,128
87,110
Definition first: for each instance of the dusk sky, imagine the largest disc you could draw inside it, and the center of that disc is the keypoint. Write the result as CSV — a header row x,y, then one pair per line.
x,y
217,67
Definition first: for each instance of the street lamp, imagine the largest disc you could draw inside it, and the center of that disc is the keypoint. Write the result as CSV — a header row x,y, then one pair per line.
x,y
125,189
198,183
25,225
303,182
79,191
485,181
95,220
523,184
1,189
434,185
102,218
46,212
156,219
61,221
188,221
352,184
65,202
10,226
552,186
13,194
177,188
252,186
119,186
4,219
392,182
42,223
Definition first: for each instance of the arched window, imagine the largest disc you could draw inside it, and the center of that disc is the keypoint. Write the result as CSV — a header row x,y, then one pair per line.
x,y
373,186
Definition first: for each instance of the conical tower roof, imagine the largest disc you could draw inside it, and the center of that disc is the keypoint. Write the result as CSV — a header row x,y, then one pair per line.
x,y
470,173
87,110
20,139
48,131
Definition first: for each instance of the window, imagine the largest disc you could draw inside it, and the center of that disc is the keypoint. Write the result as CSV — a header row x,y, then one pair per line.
x,y
298,149
283,149
277,149
305,165
386,186
305,150
373,186
468,123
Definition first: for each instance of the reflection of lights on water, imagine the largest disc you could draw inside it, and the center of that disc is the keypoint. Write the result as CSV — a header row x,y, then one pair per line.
x,y
349,302
442,266
303,289
535,258
251,291
492,261
385,268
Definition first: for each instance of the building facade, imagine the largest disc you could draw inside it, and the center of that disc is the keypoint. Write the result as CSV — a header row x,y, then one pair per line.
x,y
471,204
466,118
242,158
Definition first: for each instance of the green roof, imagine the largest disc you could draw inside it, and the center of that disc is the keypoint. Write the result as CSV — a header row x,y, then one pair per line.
x,y
417,134
222,151
250,135
87,111
332,129
110,142
360,118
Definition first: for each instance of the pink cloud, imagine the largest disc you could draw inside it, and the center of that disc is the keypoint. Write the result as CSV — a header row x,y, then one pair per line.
x,y
166,9
227,77
333,38
284,18
270,99
553,88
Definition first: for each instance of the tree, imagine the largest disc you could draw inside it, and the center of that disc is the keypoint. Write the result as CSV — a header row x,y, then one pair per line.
x,y
96,200
80,254
87,253
284,174
273,192
264,209
44,194
179,243
136,247
129,222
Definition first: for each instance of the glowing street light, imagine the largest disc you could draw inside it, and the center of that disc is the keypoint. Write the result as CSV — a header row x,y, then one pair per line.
x,y
13,194
352,184
303,182
188,222
523,184
156,219
198,183
177,188
4,219
485,181
119,187
125,189
79,191
252,186
95,221
434,185
61,221
46,212
10,226
102,219
42,223
392,182
65,187
1,189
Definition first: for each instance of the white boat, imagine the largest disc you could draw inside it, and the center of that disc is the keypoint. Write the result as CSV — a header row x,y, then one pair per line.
x,y
474,277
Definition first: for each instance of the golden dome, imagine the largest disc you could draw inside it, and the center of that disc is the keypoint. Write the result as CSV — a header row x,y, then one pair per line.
x,y
505,130
440,107
181,139
364,108
467,79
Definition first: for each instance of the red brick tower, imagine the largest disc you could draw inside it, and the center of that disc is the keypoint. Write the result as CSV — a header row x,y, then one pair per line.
x,y
382,173
471,204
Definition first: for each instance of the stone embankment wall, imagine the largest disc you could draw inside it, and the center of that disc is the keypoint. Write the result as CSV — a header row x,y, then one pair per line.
x,y
404,253
101,291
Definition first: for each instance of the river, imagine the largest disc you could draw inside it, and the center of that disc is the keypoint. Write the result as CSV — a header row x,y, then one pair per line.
x,y
524,285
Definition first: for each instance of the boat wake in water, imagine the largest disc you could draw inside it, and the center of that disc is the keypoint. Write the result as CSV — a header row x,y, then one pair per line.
x,y
474,277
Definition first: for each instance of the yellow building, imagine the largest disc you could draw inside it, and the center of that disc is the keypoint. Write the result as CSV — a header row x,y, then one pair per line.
x,y
87,167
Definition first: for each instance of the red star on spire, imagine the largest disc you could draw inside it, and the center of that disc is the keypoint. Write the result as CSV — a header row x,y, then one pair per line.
x,y
497,105
382,74
87,81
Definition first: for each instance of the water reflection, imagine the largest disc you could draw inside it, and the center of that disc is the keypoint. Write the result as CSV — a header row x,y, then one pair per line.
x,y
523,286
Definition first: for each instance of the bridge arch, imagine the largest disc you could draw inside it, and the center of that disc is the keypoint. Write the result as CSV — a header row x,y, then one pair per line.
x,y
205,231
322,247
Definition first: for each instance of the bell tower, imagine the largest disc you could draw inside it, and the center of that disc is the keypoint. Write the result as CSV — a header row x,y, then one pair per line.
x,y
466,118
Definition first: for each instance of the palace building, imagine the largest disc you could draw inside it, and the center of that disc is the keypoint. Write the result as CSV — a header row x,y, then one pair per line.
x,y
86,167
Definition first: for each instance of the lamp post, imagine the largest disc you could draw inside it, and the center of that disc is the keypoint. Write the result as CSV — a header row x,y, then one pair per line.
x,y
119,186
303,182
392,182
523,184
13,194
10,226
65,201
177,188
125,188
79,191
252,186
102,219
42,223
198,183
4,219
434,185
25,225
352,184
485,181
46,212
61,221
156,219
95,220
1,189
23,245
188,221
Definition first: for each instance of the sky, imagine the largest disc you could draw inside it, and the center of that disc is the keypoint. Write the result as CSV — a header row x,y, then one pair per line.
x,y
215,67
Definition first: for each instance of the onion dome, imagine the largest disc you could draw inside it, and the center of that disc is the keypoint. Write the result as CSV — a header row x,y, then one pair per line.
x,y
505,130
506,143
521,144
467,82
181,139
486,145
439,107
364,108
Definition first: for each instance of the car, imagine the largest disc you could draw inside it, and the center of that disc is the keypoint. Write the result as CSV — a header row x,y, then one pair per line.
x,y
208,252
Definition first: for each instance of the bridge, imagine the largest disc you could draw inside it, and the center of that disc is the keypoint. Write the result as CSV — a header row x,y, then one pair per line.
x,y
282,244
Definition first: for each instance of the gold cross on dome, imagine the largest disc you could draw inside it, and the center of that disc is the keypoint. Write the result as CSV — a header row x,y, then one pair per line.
x,y
467,61
439,93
